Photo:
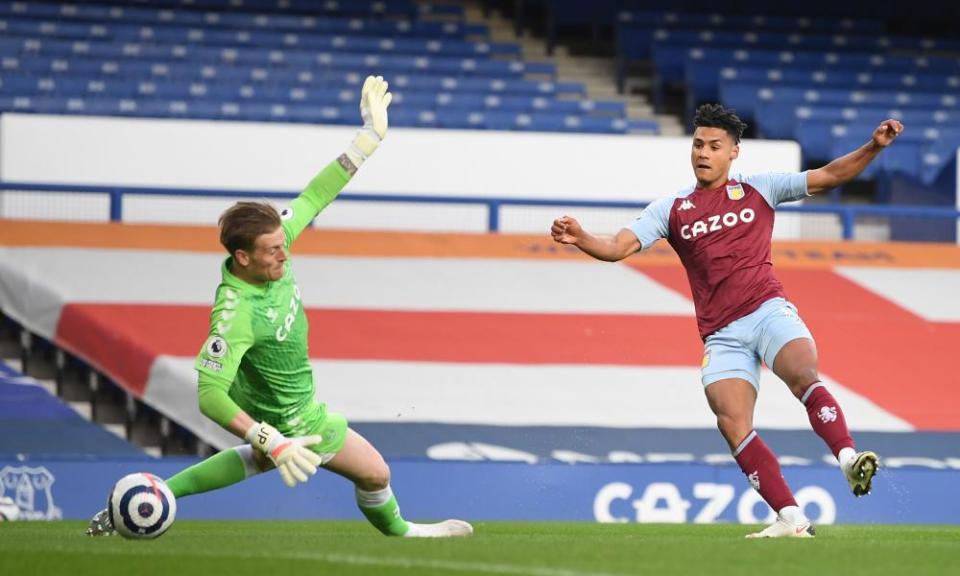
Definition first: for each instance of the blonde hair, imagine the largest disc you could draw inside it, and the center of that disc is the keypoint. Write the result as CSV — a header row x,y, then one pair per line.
x,y
242,223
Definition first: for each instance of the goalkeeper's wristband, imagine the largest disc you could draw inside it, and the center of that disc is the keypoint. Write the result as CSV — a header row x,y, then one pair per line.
x,y
265,438
363,146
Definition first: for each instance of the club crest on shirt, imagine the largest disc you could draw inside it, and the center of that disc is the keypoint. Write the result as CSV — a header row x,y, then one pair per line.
x,y
735,192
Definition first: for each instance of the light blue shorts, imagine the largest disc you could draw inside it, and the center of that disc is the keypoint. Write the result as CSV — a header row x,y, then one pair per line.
x,y
735,350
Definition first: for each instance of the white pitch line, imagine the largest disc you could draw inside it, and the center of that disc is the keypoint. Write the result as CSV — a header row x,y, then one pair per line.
x,y
362,560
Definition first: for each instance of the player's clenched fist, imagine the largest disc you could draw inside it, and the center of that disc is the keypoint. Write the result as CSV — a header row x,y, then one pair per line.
x,y
886,132
566,230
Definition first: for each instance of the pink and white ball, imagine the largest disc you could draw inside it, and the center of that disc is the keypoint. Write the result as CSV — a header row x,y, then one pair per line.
x,y
141,506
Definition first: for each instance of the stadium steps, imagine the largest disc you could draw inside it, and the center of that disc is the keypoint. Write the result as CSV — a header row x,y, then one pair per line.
x,y
91,395
35,423
597,74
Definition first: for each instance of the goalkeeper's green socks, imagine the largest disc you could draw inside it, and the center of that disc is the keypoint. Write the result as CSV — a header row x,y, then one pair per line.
x,y
381,509
218,471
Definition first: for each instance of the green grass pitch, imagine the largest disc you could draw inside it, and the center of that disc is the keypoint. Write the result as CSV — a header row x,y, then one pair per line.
x,y
498,548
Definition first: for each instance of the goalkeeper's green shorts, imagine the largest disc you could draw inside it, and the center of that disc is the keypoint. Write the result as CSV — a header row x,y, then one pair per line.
x,y
314,419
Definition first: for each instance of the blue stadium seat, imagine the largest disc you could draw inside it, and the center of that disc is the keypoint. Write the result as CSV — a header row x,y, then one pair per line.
x,y
639,43
703,79
747,97
18,103
674,19
156,16
782,120
816,136
674,56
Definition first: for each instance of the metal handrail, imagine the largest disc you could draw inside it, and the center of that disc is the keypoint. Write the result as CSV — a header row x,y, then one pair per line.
x,y
846,213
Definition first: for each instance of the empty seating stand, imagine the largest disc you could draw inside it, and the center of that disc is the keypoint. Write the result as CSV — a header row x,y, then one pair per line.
x,y
785,75
267,60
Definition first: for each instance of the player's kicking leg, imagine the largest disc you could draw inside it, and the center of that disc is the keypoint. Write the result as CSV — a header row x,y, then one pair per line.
x,y
796,364
362,464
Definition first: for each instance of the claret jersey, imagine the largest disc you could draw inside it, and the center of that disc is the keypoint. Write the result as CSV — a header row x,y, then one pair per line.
x,y
723,238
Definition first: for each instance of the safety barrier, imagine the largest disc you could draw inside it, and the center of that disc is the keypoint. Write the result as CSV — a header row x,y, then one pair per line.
x,y
846,214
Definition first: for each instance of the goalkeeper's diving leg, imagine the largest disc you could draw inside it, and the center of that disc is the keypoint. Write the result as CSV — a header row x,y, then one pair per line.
x,y
362,464
218,471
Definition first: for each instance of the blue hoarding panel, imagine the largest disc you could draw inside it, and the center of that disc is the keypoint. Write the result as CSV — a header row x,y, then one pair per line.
x,y
54,489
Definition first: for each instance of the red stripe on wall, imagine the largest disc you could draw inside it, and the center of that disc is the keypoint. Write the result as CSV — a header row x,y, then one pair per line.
x,y
120,340
124,339
673,277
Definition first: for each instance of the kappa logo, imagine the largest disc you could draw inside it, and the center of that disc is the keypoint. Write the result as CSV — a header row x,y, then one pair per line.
x,y
31,489
735,192
754,480
686,205
827,414
216,347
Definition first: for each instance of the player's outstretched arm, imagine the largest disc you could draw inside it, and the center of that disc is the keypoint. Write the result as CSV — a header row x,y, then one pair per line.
x,y
846,168
325,186
567,230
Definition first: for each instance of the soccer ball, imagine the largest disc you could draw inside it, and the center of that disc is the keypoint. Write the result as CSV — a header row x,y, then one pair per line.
x,y
141,506
9,511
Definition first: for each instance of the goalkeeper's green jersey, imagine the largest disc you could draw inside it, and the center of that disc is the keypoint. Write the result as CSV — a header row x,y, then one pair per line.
x,y
256,356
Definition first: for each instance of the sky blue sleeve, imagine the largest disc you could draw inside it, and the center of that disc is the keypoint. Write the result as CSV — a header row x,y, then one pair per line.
x,y
776,187
653,223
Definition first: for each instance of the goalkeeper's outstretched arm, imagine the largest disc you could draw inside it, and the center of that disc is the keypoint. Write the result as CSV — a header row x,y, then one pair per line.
x,y
321,191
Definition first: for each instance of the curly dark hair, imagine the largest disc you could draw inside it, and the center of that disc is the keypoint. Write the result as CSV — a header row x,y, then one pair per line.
x,y
716,116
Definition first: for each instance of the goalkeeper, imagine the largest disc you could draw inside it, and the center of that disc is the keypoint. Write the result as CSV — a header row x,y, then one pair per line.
x,y
255,377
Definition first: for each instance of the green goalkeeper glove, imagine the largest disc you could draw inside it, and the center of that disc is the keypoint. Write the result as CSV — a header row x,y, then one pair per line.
x,y
293,459
374,100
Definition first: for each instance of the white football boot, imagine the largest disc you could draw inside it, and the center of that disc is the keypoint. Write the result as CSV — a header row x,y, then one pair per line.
x,y
799,527
445,529
860,471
